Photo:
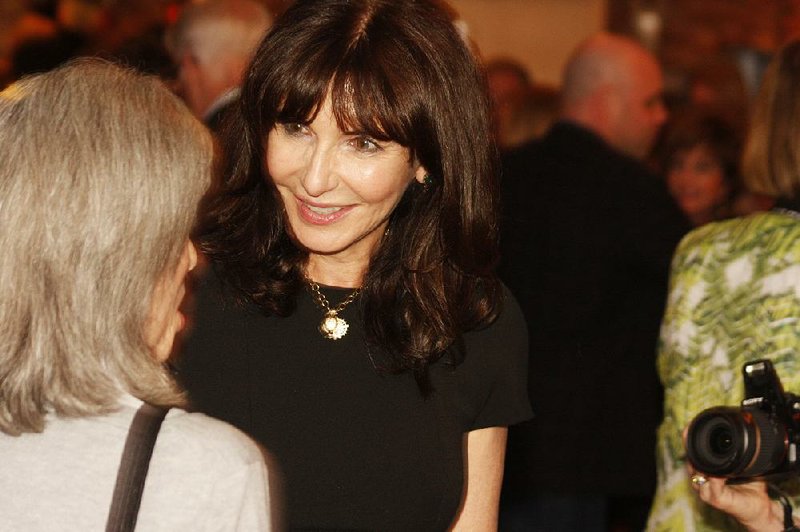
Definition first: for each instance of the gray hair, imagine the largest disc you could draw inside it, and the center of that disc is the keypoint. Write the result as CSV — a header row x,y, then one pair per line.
x,y
102,172
217,29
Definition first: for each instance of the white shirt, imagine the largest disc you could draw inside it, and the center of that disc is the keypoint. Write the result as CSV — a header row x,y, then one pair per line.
x,y
204,475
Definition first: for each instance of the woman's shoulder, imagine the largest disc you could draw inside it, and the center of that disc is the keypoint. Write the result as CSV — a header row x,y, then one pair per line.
x,y
510,320
737,230
760,233
208,440
508,326
205,474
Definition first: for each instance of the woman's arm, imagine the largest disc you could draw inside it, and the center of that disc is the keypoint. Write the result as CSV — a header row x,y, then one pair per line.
x,y
483,474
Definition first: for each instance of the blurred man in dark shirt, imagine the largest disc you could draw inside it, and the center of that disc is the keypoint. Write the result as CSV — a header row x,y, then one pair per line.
x,y
588,236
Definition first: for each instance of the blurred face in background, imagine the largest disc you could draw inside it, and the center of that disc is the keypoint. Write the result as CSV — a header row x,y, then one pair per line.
x,y
508,91
696,180
640,111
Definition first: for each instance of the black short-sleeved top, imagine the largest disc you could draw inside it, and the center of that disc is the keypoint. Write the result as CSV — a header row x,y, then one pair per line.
x,y
358,448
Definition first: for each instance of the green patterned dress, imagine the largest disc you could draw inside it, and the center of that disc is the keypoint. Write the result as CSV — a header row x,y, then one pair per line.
x,y
734,297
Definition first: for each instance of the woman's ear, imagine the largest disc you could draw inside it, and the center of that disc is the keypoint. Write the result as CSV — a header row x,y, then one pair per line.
x,y
421,174
191,254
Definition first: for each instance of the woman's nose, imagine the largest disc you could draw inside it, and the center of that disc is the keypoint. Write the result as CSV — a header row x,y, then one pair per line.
x,y
319,175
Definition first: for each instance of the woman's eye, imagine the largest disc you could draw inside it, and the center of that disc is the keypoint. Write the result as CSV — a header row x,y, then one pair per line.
x,y
365,144
293,128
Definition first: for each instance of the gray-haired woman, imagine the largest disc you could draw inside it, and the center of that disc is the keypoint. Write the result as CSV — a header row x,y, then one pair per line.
x,y
101,176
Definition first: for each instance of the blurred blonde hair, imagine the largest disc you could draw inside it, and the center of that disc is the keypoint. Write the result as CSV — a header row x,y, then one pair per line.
x,y
102,172
771,159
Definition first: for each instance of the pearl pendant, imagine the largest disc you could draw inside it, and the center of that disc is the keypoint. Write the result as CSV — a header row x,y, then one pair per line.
x,y
333,327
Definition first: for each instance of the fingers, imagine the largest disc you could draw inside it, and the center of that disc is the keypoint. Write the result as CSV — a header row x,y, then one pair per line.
x,y
708,489
711,490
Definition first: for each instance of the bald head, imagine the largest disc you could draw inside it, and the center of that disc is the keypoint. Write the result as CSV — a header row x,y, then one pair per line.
x,y
613,86
212,43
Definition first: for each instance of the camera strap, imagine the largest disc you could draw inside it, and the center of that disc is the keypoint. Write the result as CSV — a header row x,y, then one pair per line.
x,y
133,468
788,522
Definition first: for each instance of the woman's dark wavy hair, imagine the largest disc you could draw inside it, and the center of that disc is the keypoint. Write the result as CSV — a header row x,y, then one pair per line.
x,y
395,70
692,128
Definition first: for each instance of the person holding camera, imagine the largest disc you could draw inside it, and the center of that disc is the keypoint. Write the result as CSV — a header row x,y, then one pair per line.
x,y
733,298
733,452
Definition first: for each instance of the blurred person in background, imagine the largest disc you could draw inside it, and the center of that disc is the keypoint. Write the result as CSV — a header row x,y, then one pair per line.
x,y
51,33
509,87
716,86
96,207
588,234
19,24
75,25
212,43
734,298
538,110
698,155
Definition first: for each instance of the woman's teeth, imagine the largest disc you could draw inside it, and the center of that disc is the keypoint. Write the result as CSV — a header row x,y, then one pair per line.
x,y
323,210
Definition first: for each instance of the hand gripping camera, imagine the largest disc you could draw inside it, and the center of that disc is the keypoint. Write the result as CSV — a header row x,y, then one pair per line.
x,y
758,440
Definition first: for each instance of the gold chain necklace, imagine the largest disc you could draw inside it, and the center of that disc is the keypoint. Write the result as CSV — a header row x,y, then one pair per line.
x,y
332,326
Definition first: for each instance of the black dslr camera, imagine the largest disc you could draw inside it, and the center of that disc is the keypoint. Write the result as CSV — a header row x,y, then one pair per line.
x,y
758,440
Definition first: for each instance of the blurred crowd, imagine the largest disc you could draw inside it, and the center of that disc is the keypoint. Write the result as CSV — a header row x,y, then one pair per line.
x,y
38,35
696,152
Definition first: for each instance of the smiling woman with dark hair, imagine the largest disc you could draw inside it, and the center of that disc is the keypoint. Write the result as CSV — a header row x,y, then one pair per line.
x,y
373,349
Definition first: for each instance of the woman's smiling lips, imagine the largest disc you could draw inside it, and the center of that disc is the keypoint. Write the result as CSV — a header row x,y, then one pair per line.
x,y
319,214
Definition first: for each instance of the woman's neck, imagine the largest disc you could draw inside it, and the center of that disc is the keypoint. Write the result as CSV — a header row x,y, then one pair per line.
x,y
333,271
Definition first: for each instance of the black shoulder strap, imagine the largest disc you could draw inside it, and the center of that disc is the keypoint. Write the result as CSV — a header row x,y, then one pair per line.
x,y
133,468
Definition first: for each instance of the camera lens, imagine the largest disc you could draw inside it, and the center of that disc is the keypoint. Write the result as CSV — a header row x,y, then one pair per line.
x,y
717,442
726,442
720,441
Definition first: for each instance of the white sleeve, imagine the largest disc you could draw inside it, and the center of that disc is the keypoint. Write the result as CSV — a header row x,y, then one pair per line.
x,y
240,501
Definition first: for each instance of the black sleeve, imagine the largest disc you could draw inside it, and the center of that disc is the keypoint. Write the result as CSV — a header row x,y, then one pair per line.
x,y
495,372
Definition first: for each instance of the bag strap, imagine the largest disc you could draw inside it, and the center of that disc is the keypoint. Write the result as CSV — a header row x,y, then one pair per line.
x,y
133,468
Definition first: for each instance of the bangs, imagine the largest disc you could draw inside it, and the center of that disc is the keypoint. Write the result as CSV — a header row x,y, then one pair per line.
x,y
365,96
